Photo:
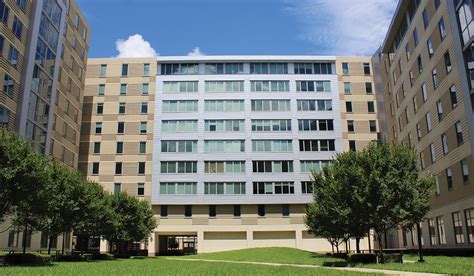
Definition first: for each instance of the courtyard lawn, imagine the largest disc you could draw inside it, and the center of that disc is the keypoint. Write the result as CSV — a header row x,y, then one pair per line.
x,y
164,266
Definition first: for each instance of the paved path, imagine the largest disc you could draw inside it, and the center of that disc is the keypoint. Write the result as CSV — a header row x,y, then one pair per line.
x,y
355,269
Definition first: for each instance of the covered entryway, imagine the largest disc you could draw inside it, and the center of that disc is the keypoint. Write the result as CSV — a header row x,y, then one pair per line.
x,y
177,245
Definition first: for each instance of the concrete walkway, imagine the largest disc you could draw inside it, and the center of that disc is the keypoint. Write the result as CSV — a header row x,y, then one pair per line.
x,y
355,269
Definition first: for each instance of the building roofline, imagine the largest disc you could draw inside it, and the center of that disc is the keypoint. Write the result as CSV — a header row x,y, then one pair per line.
x,y
402,4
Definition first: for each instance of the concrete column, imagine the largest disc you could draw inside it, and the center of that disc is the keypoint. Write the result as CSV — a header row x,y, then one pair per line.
x,y
298,238
249,238
152,244
103,246
200,241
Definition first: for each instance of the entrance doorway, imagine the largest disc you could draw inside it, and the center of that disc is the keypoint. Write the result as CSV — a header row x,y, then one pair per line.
x,y
176,245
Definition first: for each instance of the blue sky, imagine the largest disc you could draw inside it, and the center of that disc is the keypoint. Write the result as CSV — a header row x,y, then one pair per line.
x,y
236,27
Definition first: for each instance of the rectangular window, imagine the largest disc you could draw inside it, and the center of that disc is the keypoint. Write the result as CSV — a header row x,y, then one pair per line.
x,y
180,69
224,68
269,68
17,27
449,178
434,76
272,146
313,86
368,88
237,211
373,126
453,97
146,69
367,68
178,188
163,211
188,211
101,89
261,210
100,108
273,188
141,168
371,107
271,125
224,86
98,128
315,125
145,88
428,121
180,106
469,215
224,188
408,51
426,20
178,166
441,230
170,87
224,125
271,105
457,224
140,189
439,109
96,148
352,145
306,187
317,145
122,107
118,168
345,68
348,106
224,105
314,105
442,29
117,188
447,63
178,146
227,146
308,166
272,166
95,168
178,126
144,108
432,232
8,85
350,126
103,70
12,56
429,46
124,70
465,171
347,88
459,134
285,210
432,153
120,127
444,143
119,148
212,211
123,89
270,86
142,147
415,37
143,127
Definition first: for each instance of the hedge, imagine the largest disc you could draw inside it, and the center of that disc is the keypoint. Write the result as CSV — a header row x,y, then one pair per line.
x,y
27,259
364,258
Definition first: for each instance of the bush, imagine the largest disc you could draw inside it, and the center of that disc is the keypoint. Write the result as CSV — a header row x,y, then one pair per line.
x,y
340,255
27,259
102,257
74,257
122,256
364,258
335,264
393,258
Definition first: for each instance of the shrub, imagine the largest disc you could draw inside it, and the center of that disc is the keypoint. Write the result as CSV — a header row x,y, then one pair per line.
x,y
335,264
122,256
393,258
27,259
340,255
74,257
364,258
102,257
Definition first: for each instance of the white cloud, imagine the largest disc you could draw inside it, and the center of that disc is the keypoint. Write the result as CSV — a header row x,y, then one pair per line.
x,y
196,52
134,47
343,27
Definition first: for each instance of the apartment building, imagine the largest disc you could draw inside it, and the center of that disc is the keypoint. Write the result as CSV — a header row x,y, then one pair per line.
x,y
221,146
43,46
426,96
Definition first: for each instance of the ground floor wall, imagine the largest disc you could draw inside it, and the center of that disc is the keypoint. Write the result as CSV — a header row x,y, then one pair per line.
x,y
224,231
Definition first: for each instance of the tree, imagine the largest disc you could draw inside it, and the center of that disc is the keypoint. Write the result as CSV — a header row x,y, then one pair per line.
x,y
132,219
396,193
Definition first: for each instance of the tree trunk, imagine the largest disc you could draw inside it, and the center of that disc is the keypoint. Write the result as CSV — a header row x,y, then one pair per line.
x,y
358,244
368,235
64,242
379,238
25,233
420,247
49,244
332,247
385,238
337,248
347,248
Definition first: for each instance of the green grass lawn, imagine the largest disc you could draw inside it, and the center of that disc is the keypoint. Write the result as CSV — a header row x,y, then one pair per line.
x,y
163,266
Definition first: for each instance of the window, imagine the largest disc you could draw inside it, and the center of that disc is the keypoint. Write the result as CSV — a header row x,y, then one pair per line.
x,y
17,27
224,125
118,168
272,166
449,178
441,230
426,20
145,88
271,105
352,145
180,106
415,37
224,68
313,86
224,188
308,166
469,215
21,4
367,68
424,93
178,188
373,126
179,69
143,127
179,126
428,121
273,188
261,210
459,135
348,106
444,143
306,187
271,86
212,211
465,171
432,153
178,166
144,108
271,125
179,146
347,87
96,148
434,76
100,108
120,127
124,70
12,56
123,89
432,231
368,88
237,211
119,148
303,68
315,125
437,3
170,87
457,224
439,109
285,210
141,168
98,128
95,168
142,147
447,63
269,68
441,28
345,68
350,126
188,211
140,189
224,86
101,89
314,105
103,70
163,211
121,109
8,85
316,145
272,146
371,107
146,69
224,105
420,64
408,51
453,97
319,68
227,146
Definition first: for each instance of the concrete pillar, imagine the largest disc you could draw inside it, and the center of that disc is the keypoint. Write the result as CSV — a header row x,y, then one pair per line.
x,y
103,246
249,238
298,238
152,244
200,242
